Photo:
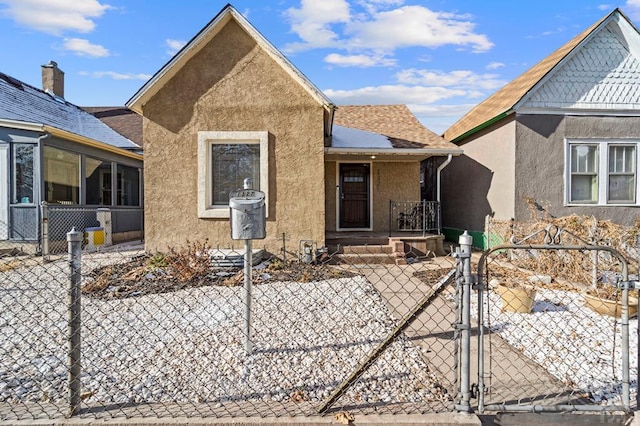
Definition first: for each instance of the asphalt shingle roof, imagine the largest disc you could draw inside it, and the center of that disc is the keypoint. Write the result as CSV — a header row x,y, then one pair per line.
x,y
22,102
121,119
394,121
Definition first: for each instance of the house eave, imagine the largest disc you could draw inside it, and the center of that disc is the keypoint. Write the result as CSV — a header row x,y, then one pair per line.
x,y
63,134
171,68
482,126
22,125
387,154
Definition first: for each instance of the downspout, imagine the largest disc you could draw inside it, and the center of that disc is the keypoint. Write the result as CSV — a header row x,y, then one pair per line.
x,y
440,167
438,191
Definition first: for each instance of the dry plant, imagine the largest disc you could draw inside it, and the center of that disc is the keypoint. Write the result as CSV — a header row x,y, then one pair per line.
x,y
585,268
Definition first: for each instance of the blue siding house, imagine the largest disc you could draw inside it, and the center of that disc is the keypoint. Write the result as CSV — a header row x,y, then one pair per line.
x,y
56,154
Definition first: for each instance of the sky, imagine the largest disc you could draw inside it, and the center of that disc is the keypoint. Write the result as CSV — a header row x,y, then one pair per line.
x,y
439,57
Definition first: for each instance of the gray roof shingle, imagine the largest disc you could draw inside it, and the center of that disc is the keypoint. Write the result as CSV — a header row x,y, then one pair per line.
x,y
22,102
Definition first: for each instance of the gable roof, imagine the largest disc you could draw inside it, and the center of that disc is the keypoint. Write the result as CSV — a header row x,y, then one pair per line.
x,y
206,34
120,119
394,121
502,102
22,105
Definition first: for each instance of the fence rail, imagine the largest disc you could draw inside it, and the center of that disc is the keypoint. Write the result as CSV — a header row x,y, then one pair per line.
x,y
162,335
415,216
114,224
125,334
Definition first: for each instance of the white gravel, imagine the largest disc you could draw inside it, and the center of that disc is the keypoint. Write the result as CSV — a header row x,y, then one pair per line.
x,y
569,340
187,346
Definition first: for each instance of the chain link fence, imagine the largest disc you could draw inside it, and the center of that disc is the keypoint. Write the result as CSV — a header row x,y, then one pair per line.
x,y
558,319
101,227
120,333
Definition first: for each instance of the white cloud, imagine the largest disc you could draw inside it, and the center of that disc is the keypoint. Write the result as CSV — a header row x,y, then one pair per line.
x,y
632,9
116,75
494,65
312,22
55,16
439,118
416,26
463,79
604,7
173,46
332,24
362,61
82,47
393,94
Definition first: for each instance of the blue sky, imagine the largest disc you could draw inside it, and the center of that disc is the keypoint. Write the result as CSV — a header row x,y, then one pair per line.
x,y
439,57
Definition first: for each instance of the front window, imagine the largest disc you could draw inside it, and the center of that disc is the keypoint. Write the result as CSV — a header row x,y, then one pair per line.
x,y
602,172
584,173
61,176
622,174
23,172
225,160
231,164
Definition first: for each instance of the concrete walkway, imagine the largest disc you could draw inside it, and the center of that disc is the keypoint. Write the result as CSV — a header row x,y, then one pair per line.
x,y
510,377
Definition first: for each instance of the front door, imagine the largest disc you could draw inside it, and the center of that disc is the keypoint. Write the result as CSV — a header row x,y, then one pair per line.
x,y
354,196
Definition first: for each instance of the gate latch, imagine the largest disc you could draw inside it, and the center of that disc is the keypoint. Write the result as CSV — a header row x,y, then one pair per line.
x,y
629,285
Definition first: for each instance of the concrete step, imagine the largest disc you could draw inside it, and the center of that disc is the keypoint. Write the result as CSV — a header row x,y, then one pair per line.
x,y
361,249
362,258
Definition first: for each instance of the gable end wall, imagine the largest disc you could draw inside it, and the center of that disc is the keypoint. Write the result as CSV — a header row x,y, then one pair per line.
x,y
233,85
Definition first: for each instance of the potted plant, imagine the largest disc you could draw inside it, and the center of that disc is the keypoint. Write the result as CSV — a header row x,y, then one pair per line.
x,y
605,299
516,297
515,289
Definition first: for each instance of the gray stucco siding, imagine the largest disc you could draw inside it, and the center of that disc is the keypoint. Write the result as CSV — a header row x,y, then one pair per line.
x,y
540,162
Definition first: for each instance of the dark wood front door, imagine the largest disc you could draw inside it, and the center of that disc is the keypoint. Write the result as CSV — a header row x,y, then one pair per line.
x,y
354,196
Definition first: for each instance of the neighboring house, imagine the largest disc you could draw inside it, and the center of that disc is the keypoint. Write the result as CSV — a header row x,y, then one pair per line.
x,y
53,151
228,106
564,137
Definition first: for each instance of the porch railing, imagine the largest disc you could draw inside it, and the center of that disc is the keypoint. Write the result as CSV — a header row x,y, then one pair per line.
x,y
415,216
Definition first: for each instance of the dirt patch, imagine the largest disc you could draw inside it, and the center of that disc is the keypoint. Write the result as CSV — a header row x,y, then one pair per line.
x,y
151,275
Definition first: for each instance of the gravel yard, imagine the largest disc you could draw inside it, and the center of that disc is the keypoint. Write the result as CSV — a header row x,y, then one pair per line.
x,y
569,340
187,345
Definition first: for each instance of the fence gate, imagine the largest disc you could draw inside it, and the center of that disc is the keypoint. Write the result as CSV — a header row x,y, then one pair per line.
x,y
553,314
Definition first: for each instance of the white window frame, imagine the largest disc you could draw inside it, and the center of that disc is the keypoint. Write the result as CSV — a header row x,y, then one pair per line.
x,y
206,139
602,170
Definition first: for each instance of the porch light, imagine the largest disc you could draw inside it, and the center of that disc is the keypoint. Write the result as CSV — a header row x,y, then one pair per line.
x,y
373,157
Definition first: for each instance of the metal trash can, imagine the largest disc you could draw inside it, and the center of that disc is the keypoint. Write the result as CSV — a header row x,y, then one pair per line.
x,y
248,214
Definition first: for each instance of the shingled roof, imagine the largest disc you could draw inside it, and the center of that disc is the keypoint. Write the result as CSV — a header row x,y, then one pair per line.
x,y
501,103
121,119
24,103
394,121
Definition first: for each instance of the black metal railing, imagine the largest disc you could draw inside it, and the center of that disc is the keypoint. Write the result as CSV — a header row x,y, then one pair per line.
x,y
415,216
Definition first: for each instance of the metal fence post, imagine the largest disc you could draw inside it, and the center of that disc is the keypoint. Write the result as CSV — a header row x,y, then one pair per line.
x,y
44,230
464,256
74,240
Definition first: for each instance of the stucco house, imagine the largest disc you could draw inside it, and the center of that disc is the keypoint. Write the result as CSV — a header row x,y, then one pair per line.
x,y
564,136
228,106
55,152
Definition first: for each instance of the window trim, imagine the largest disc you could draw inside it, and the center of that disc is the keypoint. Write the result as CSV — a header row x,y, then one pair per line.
x,y
602,171
206,139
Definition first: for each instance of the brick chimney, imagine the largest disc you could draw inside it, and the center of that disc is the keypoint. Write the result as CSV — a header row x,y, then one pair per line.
x,y
53,79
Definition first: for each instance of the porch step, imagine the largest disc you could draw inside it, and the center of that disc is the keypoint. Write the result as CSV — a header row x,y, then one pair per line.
x,y
362,258
360,249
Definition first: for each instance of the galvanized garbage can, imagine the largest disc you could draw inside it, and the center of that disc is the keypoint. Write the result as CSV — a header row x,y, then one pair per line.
x,y
247,212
